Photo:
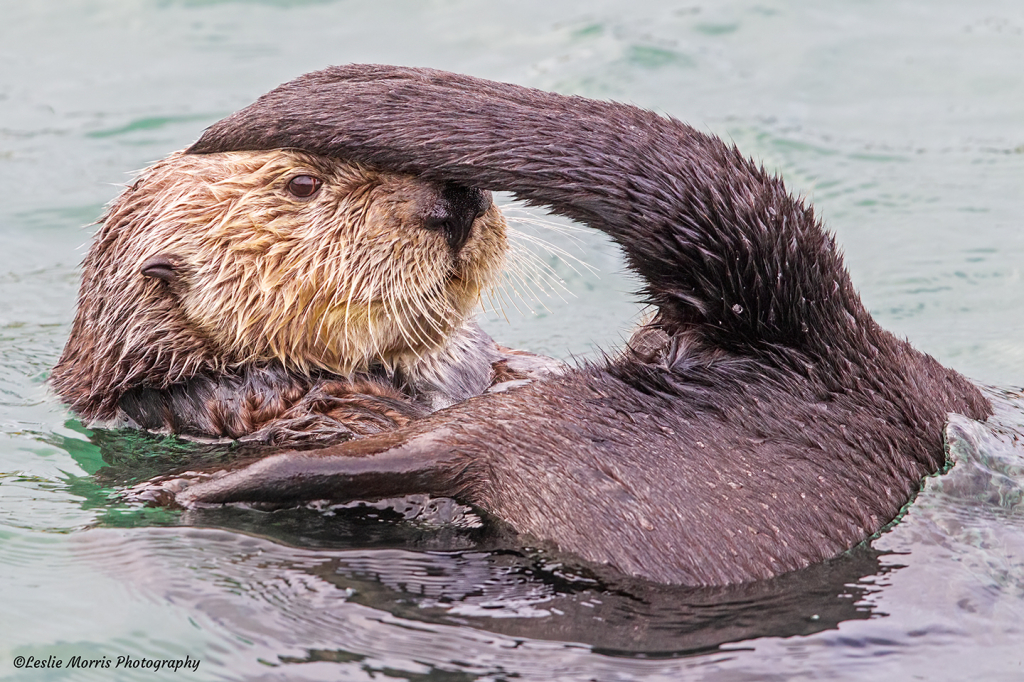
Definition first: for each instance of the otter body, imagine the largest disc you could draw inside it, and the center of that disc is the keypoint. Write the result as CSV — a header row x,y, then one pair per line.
x,y
761,422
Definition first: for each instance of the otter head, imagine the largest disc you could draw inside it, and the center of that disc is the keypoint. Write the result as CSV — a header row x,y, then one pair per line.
x,y
209,262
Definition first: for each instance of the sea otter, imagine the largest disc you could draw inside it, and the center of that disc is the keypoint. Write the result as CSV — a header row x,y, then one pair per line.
x,y
761,422
282,296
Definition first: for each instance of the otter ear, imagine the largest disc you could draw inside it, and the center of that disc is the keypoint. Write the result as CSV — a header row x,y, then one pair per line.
x,y
162,266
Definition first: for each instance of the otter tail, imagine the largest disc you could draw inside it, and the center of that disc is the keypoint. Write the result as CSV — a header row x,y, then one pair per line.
x,y
723,248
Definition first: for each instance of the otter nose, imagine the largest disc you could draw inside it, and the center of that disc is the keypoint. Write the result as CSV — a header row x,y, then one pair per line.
x,y
454,211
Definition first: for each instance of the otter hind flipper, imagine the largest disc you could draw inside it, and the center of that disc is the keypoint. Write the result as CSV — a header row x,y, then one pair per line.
x,y
721,245
370,468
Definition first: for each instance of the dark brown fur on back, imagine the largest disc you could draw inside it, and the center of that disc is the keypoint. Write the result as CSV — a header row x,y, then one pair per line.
x,y
762,422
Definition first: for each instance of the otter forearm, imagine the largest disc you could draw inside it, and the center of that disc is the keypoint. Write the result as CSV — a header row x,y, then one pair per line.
x,y
720,243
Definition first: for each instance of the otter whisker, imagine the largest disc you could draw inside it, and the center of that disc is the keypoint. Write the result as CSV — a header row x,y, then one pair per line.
x,y
526,275
436,308
389,297
516,274
532,271
414,318
507,291
493,304
435,317
371,294
394,300
520,252
362,283
529,218
553,249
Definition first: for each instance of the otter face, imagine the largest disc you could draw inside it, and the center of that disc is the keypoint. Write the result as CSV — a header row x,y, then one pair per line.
x,y
239,257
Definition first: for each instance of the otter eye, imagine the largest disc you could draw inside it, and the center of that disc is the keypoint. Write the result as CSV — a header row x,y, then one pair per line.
x,y
304,186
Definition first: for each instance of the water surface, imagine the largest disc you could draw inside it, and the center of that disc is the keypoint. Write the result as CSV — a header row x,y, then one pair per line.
x,y
903,122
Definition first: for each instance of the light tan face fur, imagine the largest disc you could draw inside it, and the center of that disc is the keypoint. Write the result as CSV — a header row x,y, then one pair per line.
x,y
345,278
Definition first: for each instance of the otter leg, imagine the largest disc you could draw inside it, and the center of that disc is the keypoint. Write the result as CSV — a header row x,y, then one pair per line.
x,y
722,247
370,468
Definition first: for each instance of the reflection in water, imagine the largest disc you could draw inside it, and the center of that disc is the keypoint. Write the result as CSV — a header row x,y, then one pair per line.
x,y
499,587
352,604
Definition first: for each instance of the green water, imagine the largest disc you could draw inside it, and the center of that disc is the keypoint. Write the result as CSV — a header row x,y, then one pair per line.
x,y
902,121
